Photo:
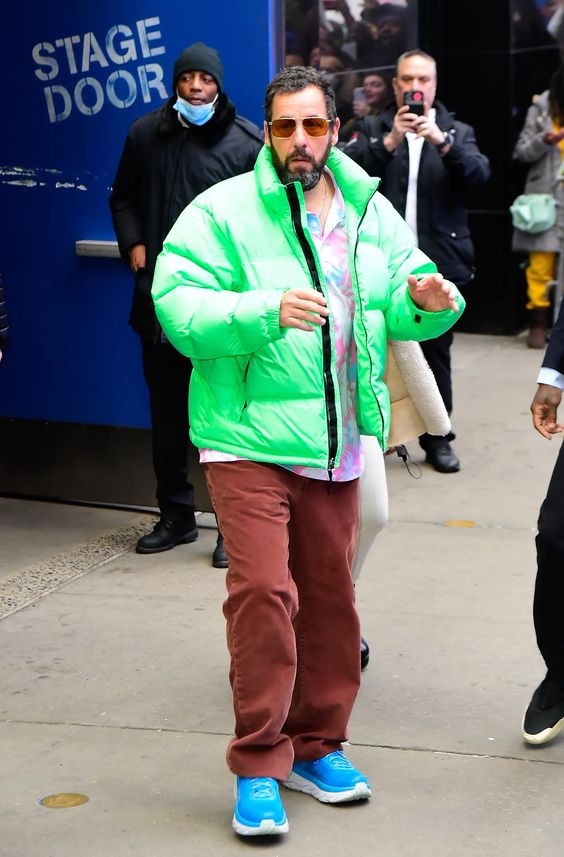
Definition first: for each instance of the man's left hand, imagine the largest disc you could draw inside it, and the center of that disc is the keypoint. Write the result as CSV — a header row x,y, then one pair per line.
x,y
432,293
429,130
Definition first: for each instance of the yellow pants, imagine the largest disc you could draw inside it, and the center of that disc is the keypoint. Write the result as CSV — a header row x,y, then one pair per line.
x,y
540,272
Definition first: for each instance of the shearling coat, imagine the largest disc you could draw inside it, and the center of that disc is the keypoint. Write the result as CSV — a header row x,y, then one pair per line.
x,y
545,162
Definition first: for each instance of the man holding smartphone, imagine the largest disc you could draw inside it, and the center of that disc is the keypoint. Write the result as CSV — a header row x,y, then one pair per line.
x,y
427,161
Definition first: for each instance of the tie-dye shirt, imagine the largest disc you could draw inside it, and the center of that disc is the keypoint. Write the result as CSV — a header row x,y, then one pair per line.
x,y
332,247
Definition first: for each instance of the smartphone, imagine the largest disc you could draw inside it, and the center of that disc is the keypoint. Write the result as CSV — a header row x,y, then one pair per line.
x,y
359,94
414,100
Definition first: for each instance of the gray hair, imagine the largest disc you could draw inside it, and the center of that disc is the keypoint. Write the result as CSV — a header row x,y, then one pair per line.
x,y
416,52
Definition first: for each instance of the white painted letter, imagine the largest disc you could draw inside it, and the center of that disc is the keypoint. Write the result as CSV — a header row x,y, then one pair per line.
x,y
111,89
145,37
92,52
126,45
50,91
155,83
51,63
98,92
68,43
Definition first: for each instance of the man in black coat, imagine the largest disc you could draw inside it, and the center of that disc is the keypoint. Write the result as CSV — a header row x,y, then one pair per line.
x,y
427,161
544,717
170,156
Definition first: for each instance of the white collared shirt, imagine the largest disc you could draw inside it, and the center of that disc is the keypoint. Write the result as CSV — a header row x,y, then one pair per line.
x,y
415,145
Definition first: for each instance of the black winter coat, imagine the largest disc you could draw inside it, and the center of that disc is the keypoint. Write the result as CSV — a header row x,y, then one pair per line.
x,y
442,185
163,167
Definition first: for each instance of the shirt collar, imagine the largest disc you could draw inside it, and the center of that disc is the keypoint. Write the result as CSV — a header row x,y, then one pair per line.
x,y
336,214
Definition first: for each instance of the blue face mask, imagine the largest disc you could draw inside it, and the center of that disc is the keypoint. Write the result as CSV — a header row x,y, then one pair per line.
x,y
195,114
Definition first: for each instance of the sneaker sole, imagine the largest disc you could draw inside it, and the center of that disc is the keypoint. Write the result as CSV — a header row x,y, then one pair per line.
x,y
545,735
297,783
185,540
267,827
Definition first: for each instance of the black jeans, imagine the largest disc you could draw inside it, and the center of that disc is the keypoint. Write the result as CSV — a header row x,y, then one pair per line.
x,y
167,374
548,607
437,355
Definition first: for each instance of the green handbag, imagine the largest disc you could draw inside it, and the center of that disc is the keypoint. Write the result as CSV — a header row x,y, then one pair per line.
x,y
533,212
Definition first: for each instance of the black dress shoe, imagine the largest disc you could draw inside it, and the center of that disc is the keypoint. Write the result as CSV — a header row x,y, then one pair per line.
x,y
364,653
166,535
443,458
219,557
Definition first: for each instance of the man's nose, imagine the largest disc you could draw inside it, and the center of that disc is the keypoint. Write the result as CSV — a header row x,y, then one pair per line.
x,y
300,136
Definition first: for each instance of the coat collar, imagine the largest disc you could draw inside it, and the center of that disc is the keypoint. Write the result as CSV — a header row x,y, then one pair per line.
x,y
354,183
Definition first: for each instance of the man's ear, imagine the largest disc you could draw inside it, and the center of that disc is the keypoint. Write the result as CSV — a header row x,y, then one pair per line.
x,y
266,133
335,130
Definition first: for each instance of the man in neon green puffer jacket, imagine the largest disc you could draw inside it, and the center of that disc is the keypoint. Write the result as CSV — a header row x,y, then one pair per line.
x,y
282,286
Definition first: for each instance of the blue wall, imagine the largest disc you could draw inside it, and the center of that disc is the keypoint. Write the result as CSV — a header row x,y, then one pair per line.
x,y
72,85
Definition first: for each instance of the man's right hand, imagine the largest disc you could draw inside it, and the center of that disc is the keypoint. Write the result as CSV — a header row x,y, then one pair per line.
x,y
404,121
137,257
301,308
544,408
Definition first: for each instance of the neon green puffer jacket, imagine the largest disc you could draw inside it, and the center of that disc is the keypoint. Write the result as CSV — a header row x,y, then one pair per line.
x,y
259,391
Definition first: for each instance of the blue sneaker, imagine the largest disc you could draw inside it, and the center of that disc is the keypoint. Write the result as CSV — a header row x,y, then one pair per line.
x,y
258,808
331,779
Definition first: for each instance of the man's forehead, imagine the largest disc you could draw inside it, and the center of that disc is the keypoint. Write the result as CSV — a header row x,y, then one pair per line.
x,y
416,66
308,101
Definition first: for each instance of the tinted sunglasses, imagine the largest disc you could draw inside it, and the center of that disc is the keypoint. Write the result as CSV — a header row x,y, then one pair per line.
x,y
314,126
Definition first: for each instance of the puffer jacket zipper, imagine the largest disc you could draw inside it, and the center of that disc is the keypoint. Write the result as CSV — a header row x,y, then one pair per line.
x,y
330,403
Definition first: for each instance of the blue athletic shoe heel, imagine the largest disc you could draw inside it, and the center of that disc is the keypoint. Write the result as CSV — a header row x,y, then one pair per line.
x,y
258,808
331,779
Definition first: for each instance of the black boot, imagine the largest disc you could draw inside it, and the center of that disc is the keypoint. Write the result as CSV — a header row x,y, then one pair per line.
x,y
439,453
166,535
219,557
538,326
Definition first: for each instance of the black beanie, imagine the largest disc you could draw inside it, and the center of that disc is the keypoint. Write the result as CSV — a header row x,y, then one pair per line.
x,y
199,57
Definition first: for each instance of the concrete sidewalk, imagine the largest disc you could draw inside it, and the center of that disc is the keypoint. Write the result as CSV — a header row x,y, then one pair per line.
x,y
114,685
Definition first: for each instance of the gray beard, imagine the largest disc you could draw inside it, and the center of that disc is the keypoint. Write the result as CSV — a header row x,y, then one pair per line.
x,y
308,180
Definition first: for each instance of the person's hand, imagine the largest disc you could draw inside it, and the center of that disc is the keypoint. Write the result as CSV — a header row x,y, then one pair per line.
x,y
432,293
544,408
137,257
360,109
553,137
301,308
429,130
404,121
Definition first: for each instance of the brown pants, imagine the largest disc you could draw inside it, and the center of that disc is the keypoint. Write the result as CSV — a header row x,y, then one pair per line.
x,y
292,628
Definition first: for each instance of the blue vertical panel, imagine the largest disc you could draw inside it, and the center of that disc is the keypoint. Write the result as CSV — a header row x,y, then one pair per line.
x,y
75,76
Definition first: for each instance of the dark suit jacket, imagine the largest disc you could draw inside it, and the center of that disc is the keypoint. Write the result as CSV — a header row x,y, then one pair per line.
x,y
554,355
